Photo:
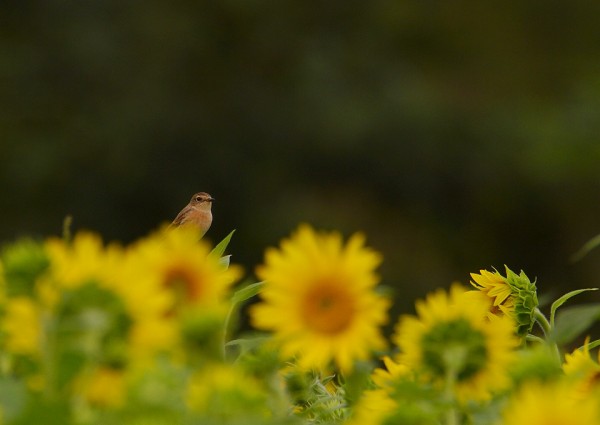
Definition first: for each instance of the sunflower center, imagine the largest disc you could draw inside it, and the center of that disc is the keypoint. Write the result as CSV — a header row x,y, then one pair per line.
x,y
186,284
495,310
454,346
594,379
328,308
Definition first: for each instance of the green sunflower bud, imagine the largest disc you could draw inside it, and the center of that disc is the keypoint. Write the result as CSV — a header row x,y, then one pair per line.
x,y
23,262
524,293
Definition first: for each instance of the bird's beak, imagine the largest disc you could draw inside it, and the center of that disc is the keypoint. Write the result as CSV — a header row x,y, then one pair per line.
x,y
211,199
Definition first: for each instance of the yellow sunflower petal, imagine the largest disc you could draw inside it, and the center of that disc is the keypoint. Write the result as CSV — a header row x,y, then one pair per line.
x,y
318,299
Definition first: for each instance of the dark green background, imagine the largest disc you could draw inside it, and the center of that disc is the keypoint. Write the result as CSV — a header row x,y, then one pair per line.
x,y
457,135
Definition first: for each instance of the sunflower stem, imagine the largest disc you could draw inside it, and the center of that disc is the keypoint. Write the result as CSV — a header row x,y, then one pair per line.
x,y
66,230
534,338
449,397
49,346
546,327
226,331
451,417
542,321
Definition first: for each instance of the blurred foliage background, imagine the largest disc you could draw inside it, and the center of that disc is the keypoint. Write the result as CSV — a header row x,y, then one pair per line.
x,y
456,135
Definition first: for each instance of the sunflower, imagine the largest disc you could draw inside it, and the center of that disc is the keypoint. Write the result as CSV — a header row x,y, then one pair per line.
x,y
373,408
555,403
514,295
376,404
385,377
103,387
181,264
165,277
319,299
493,286
21,326
450,340
397,398
580,367
85,260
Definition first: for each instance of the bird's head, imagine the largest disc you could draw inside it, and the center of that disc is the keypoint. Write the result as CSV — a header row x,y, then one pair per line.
x,y
201,198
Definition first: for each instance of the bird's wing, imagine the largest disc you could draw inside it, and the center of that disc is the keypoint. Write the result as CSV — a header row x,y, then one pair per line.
x,y
179,219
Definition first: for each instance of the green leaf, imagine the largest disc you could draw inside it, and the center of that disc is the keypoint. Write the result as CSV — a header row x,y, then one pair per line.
x,y
593,344
357,381
225,260
219,250
246,292
240,296
586,248
247,344
556,304
572,322
590,345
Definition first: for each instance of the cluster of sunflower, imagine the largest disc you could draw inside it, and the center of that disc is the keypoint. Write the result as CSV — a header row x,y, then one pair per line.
x,y
150,333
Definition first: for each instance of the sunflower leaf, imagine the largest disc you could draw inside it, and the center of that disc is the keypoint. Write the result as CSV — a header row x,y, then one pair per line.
x,y
556,304
572,322
246,292
225,260
591,345
586,248
222,246
247,344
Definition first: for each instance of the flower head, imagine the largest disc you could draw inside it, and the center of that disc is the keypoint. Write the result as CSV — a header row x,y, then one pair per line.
x,y
376,404
449,339
580,367
373,408
495,287
514,295
385,377
319,299
21,326
542,404
84,260
181,264
166,277
104,387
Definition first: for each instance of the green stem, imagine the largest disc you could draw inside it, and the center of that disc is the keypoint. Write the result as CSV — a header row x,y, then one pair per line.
x,y
543,322
49,360
533,338
451,414
66,230
226,330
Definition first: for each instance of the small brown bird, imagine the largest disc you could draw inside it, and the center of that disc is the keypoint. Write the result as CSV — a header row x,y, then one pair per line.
x,y
196,212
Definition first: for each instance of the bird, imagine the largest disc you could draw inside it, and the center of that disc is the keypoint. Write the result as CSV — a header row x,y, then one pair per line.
x,y
197,212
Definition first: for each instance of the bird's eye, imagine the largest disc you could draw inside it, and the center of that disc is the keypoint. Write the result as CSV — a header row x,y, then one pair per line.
x,y
198,198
